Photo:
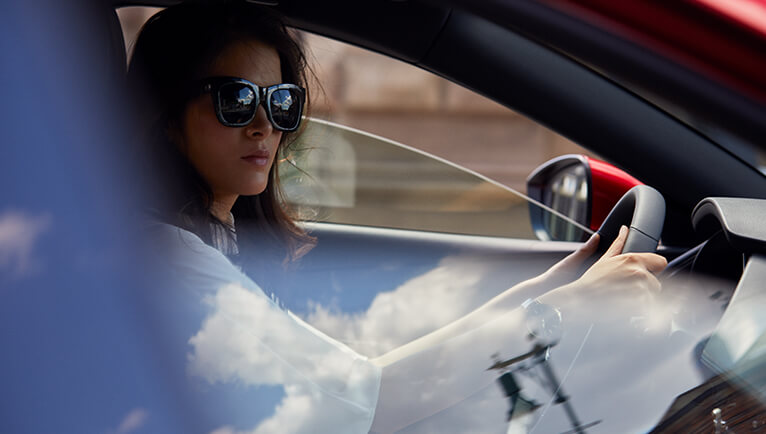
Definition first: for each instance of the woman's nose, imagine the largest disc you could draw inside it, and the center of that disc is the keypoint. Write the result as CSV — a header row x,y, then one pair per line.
x,y
260,126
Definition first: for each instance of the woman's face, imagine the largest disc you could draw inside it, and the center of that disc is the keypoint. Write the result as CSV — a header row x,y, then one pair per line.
x,y
234,161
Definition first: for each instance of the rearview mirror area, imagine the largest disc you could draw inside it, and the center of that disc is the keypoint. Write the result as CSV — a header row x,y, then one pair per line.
x,y
574,188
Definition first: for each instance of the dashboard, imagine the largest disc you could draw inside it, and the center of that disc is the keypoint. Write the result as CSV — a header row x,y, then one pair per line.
x,y
733,231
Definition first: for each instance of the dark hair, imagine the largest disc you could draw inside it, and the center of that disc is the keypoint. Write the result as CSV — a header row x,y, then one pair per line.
x,y
176,48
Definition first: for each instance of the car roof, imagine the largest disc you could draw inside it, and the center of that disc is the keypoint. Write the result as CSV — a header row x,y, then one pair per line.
x,y
703,55
696,57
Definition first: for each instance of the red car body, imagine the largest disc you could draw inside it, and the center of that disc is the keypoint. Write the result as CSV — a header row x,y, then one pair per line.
x,y
722,39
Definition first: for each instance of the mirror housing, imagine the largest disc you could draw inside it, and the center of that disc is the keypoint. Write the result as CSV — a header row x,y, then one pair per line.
x,y
578,187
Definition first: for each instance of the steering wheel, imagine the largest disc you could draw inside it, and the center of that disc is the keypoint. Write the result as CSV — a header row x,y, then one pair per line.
x,y
642,210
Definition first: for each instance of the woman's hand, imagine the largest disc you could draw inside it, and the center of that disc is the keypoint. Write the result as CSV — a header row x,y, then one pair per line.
x,y
616,269
614,278
620,289
567,269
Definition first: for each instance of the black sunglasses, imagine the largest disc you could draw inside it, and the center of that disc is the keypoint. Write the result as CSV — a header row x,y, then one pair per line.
x,y
236,100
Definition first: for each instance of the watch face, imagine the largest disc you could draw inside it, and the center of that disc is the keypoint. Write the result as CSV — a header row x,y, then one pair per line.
x,y
543,322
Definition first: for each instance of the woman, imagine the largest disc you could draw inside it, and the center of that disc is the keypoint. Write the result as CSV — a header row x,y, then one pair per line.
x,y
220,92
215,160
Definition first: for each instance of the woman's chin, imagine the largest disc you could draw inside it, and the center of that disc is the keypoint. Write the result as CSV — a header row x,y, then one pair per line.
x,y
254,190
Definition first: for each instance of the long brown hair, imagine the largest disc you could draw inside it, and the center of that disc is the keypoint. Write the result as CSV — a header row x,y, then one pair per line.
x,y
176,48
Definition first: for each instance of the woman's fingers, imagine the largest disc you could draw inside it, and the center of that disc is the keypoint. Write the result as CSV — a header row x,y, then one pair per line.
x,y
652,261
640,268
637,273
584,252
618,243
618,269
590,246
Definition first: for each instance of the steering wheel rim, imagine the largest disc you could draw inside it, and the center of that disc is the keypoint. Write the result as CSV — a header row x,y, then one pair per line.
x,y
642,209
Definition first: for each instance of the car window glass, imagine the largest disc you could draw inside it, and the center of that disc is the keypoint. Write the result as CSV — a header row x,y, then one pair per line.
x,y
340,175
422,153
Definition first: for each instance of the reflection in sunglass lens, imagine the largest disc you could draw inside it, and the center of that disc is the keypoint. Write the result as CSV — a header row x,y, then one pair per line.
x,y
237,102
285,108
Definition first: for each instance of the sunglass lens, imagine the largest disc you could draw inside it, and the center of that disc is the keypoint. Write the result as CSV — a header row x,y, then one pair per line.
x,y
237,103
286,108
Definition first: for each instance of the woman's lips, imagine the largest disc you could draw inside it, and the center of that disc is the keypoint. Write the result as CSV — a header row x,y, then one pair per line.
x,y
257,158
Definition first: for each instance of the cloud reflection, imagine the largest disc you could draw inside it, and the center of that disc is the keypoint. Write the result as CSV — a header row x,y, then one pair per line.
x,y
418,306
248,340
19,233
134,420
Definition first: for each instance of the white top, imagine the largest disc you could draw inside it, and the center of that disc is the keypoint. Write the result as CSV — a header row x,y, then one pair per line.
x,y
246,339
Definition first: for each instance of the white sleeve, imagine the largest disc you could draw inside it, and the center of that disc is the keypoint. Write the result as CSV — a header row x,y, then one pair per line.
x,y
246,338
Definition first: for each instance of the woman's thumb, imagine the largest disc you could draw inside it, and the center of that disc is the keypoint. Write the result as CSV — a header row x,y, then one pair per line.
x,y
618,243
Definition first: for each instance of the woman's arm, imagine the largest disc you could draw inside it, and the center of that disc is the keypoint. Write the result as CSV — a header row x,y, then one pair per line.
x,y
631,272
453,352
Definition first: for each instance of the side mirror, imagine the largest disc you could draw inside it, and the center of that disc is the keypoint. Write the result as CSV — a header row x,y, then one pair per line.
x,y
576,188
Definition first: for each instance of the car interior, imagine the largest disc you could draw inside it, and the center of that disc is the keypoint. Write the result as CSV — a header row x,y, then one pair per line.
x,y
580,81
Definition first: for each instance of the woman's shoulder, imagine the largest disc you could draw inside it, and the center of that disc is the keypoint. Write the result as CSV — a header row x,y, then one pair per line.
x,y
188,256
168,238
159,230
